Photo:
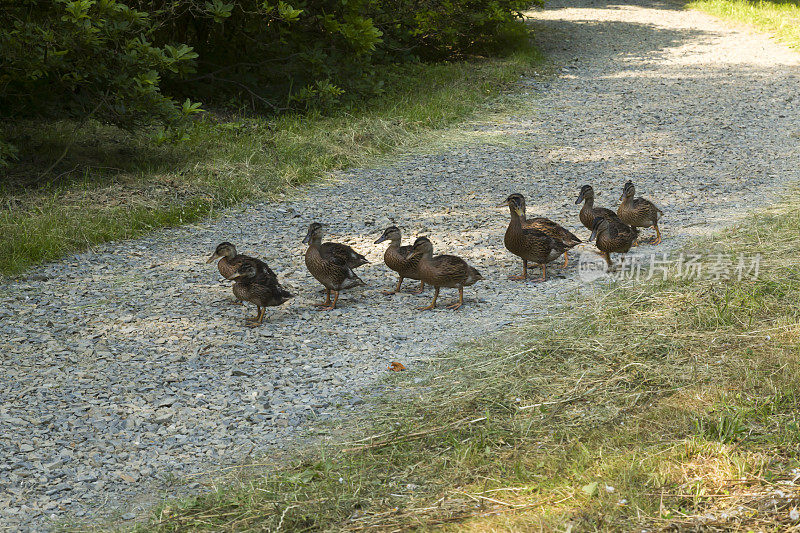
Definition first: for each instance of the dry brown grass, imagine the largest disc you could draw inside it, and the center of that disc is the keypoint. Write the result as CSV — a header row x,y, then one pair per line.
x,y
664,405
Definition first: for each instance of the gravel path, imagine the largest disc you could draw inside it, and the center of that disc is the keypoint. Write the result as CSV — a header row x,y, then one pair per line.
x,y
124,366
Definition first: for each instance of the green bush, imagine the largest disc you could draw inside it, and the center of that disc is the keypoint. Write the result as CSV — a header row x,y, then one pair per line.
x,y
128,62
74,58
273,55
81,58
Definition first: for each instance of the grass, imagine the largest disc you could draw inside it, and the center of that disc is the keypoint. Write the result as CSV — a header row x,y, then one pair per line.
x,y
781,18
117,185
662,405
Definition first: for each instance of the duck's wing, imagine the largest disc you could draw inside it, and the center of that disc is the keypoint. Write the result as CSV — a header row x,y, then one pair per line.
x,y
341,254
621,232
645,207
555,230
605,213
262,266
450,267
541,239
405,251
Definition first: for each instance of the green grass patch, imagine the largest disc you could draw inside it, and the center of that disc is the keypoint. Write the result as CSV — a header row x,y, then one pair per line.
x,y
115,185
782,19
658,404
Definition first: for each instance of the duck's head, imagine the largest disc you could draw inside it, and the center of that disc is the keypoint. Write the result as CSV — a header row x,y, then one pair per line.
x,y
392,233
422,246
515,202
627,191
587,193
224,249
246,269
315,231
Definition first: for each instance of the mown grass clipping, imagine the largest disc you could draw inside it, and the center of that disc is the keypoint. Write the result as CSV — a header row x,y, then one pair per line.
x,y
659,404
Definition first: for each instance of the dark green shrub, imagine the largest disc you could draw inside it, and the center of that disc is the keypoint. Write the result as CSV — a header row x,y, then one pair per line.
x,y
277,55
126,62
74,59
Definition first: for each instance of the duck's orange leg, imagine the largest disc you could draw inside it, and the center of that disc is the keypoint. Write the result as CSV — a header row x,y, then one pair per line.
x,y
524,272
566,260
421,288
333,305
607,257
544,273
460,300
258,319
658,234
396,289
433,303
327,301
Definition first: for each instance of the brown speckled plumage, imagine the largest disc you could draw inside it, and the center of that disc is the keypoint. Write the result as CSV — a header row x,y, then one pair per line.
x,y
400,258
613,236
443,271
530,244
554,230
229,260
638,212
330,264
258,287
589,211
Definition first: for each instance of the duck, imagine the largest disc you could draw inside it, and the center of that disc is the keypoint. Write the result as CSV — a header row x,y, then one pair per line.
x,y
399,259
589,211
530,244
229,260
443,271
638,212
613,236
331,264
254,285
545,225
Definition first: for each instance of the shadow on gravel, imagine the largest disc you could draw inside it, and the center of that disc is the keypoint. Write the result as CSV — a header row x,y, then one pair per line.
x,y
572,40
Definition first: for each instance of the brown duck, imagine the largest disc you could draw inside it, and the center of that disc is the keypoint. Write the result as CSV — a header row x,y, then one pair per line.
x,y
638,212
530,244
399,259
545,225
229,260
443,271
613,236
589,211
331,264
258,287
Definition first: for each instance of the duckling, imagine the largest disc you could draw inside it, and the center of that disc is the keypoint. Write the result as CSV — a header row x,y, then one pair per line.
x,y
398,258
547,226
229,260
638,212
589,211
331,264
254,285
613,236
529,243
443,271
